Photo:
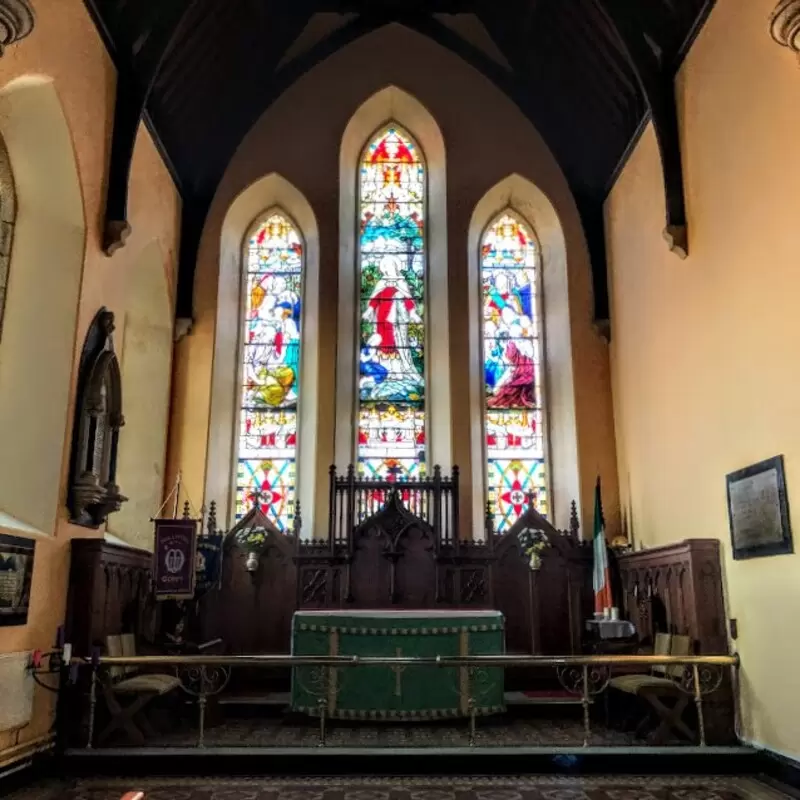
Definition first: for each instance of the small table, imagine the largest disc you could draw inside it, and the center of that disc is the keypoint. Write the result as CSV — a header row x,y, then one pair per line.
x,y
611,636
611,628
404,692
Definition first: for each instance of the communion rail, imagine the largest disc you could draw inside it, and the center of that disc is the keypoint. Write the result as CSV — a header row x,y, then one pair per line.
x,y
354,499
584,678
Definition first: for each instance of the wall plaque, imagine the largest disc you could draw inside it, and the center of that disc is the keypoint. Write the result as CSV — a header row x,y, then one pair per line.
x,y
758,510
16,571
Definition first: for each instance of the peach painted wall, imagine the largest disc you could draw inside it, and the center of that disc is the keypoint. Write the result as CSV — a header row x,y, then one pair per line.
x,y
486,139
705,351
66,48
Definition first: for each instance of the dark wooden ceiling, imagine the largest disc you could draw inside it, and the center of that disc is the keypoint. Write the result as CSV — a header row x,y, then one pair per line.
x,y
586,73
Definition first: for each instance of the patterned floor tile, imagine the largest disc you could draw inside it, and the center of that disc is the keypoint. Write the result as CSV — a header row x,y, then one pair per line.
x,y
524,788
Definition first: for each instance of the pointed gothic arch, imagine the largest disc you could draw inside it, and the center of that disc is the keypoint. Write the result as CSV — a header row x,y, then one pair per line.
x,y
560,446
512,353
393,105
261,197
270,364
393,382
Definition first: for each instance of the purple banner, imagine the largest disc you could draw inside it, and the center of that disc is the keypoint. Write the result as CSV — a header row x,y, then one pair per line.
x,y
173,557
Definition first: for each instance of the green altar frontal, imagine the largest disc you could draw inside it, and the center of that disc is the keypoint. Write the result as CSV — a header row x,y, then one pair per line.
x,y
403,692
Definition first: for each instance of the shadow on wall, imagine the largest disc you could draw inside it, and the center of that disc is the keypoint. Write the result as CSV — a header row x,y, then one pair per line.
x,y
41,308
146,374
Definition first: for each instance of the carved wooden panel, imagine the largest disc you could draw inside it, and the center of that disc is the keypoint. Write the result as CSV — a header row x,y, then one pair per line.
x,y
252,611
396,560
678,589
109,593
415,581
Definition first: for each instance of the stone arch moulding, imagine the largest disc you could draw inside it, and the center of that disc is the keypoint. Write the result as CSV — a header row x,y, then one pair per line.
x,y
41,310
393,105
266,194
528,202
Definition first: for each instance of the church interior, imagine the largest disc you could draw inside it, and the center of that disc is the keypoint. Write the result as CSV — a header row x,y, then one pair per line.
x,y
376,415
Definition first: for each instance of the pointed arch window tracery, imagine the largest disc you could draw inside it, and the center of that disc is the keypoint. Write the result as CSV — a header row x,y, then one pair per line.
x,y
391,419
267,445
512,355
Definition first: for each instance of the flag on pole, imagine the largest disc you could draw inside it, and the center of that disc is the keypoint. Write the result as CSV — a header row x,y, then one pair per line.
x,y
602,573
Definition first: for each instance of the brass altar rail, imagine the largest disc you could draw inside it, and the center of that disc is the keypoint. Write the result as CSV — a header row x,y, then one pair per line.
x,y
584,677
389,661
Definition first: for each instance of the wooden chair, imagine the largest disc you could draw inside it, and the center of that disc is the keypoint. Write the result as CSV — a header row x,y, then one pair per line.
x,y
659,686
139,688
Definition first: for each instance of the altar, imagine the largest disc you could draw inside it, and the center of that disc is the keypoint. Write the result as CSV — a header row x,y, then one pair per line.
x,y
404,692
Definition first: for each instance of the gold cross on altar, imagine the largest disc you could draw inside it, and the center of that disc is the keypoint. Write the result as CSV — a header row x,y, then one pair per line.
x,y
398,674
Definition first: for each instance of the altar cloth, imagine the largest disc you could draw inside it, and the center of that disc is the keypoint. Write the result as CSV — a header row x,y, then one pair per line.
x,y
405,692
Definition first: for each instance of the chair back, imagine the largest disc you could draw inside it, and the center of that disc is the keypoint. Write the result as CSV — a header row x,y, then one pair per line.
x,y
129,650
114,650
681,646
661,647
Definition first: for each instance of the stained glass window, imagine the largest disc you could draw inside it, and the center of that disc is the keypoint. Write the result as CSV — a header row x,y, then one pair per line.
x,y
267,455
512,362
391,417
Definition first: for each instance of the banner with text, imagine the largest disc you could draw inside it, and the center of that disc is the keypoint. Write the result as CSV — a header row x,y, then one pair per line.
x,y
174,558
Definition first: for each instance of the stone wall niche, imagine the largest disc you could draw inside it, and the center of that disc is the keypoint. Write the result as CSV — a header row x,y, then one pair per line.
x,y
93,492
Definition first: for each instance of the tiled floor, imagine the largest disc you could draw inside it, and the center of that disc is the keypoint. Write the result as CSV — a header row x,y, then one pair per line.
x,y
528,788
550,731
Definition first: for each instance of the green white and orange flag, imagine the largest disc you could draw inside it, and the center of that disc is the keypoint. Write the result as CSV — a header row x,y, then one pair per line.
x,y
602,574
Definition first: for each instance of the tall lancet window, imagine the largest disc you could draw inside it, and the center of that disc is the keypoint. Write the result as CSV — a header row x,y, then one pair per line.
x,y
512,360
391,258
267,445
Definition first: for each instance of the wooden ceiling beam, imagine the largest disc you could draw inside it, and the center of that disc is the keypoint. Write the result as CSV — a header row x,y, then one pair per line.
x,y
395,8
657,84
136,74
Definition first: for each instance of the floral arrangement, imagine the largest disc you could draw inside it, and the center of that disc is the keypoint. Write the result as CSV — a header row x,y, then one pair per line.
x,y
251,537
533,543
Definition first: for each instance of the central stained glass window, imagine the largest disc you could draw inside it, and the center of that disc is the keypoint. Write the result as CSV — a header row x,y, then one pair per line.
x,y
512,364
391,258
267,446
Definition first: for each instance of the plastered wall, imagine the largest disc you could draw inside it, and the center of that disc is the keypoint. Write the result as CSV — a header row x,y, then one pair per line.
x,y
65,52
705,351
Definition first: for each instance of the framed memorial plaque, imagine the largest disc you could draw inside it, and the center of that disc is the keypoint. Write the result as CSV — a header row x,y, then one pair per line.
x,y
16,571
758,510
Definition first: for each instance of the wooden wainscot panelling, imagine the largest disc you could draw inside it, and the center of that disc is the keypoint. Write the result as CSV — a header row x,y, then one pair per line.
x,y
110,593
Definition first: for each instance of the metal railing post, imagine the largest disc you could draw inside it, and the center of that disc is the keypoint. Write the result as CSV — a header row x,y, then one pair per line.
x,y
92,707
587,733
698,701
